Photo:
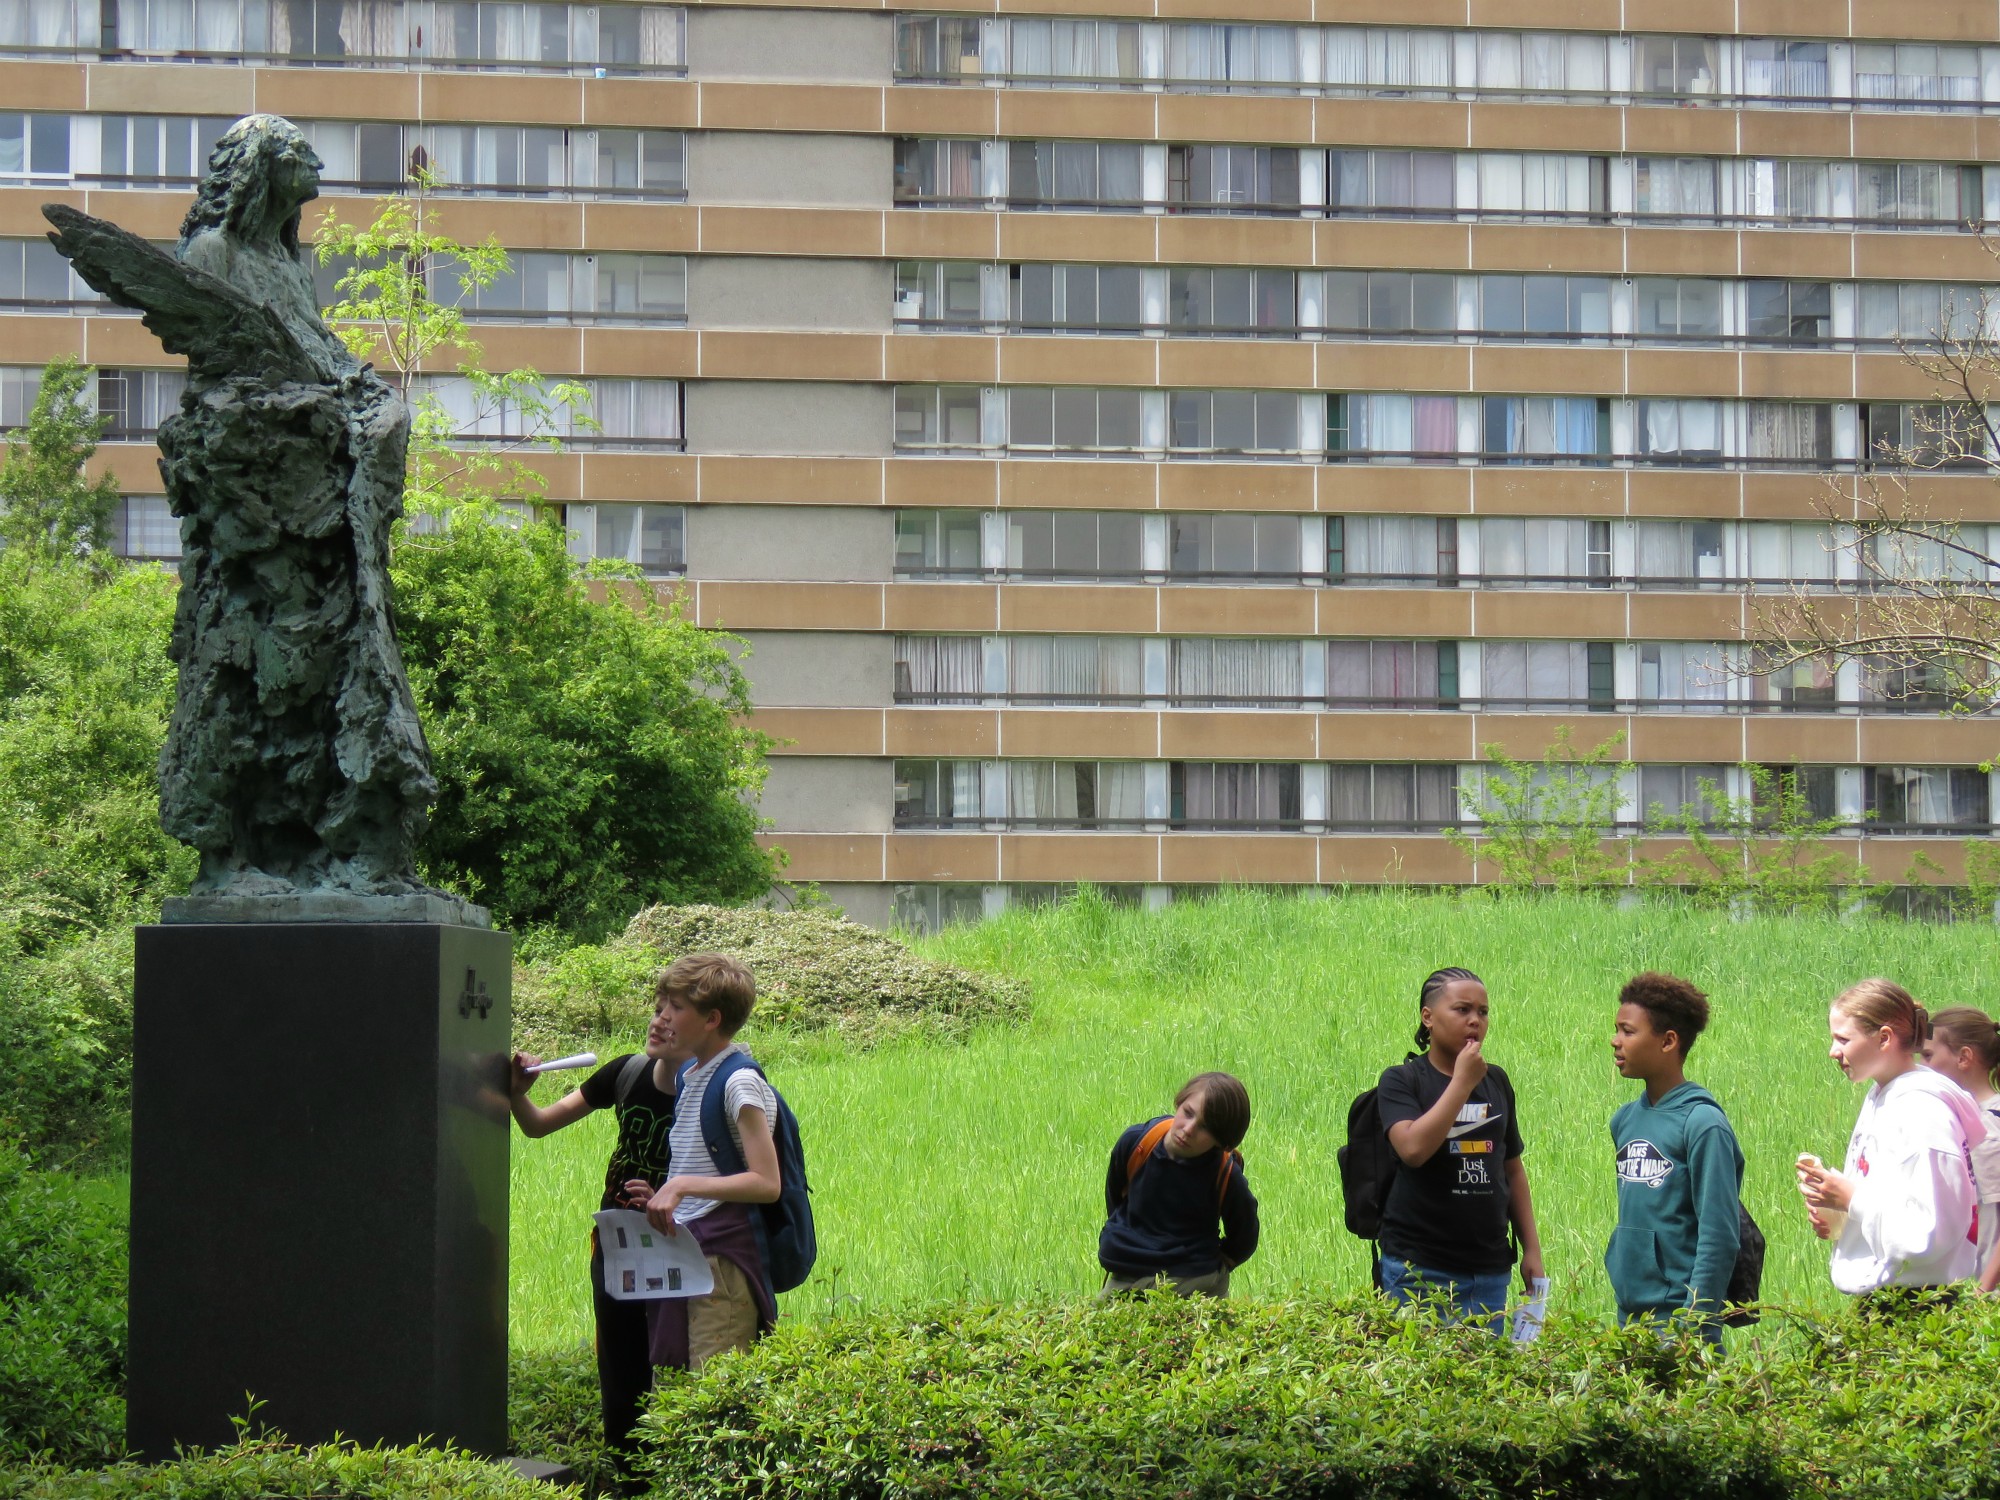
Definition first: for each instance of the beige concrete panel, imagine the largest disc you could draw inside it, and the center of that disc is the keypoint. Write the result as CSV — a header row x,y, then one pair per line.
x,y
1366,244
1798,376
1785,497
931,234
1667,492
1423,614
36,340
1931,257
1680,252
632,351
21,208
153,216
478,96
1797,739
1105,858
638,476
1547,247
1203,240
1080,733
1680,132
43,85
1796,132
1789,18
1934,20
1238,859
1502,491
171,89
1257,118
749,479
136,467
1387,736
123,342
1430,490
1078,609
1255,364
941,359
348,94
1553,15
791,106
949,608
1245,734
943,732
1897,137
1890,377
791,231
830,856
1392,12
1069,114
1499,368
791,356
1237,611
1554,614
1384,859
822,731
1079,237
561,473
1393,367
1025,360
1531,736
526,224
909,109
1136,8
940,481
645,103
1682,372
942,856
1895,859
1661,739
554,350
1547,127
1391,122
1961,497
1925,740
1687,617
1060,484
791,606
1989,138
1225,486
1773,252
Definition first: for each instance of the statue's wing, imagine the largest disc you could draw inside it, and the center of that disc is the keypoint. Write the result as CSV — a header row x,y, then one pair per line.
x,y
221,331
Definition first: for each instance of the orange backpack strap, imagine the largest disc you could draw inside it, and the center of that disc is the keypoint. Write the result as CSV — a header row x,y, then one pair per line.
x,y
1222,1175
1148,1144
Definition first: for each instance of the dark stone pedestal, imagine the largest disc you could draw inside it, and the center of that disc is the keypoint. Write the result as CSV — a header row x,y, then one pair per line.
x,y
319,1183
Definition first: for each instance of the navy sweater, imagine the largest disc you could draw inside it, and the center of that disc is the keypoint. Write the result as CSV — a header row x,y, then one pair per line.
x,y
1169,1221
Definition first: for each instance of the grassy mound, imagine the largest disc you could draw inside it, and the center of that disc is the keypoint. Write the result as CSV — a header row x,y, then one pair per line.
x,y
815,972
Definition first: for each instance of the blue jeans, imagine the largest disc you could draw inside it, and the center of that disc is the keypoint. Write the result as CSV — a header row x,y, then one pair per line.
x,y
1459,1297
1708,1330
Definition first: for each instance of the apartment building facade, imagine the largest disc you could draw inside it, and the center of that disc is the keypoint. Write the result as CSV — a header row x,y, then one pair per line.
x,y
1153,448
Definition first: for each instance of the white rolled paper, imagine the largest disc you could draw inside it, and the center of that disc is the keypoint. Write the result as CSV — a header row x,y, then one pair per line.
x,y
581,1060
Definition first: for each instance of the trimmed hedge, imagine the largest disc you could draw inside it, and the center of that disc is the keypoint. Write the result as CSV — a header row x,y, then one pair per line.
x,y
1321,1397
268,1468
815,972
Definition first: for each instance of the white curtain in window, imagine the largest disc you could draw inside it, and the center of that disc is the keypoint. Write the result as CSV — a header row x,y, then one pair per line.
x,y
1392,546
1585,67
1346,56
1120,173
1073,669
1503,546
1499,60
1195,52
1031,789
1121,791
1500,182
1786,429
1121,668
218,26
947,666
1542,57
1380,424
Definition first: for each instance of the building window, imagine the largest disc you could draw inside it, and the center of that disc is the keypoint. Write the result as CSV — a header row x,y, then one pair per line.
x,y
1927,799
1924,434
1534,185
1243,179
1255,57
1535,675
1680,553
1391,798
940,172
144,528
1361,61
1236,548
1259,796
652,537
1675,65
1543,550
1916,72
940,669
1788,312
1395,302
1391,427
939,49
1073,174
1921,310
1225,673
1075,794
1392,549
940,294
137,401
1392,674
1814,786
1686,307
1680,431
1110,299
938,543
928,908
1414,182
1045,544
1542,63
1683,678
1916,192
1788,432
19,386
1233,421
937,793
1547,428
1068,52
937,416
1671,793
1074,419
1550,307
1676,187
1809,686
1785,70
1234,300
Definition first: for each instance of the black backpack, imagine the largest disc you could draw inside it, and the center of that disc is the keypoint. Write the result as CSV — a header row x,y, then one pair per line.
x,y
1367,1167
1746,1278
784,1229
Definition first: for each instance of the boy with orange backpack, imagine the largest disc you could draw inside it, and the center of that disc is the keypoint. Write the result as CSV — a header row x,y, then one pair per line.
x,y
1178,1211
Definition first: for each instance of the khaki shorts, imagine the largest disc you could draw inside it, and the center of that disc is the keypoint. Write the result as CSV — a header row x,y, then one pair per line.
x,y
1214,1284
725,1319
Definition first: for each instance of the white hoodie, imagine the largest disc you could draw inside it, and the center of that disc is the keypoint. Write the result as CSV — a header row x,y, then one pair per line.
x,y
1912,1219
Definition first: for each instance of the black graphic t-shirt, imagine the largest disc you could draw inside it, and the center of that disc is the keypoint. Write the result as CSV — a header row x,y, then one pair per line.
x,y
643,1122
1450,1214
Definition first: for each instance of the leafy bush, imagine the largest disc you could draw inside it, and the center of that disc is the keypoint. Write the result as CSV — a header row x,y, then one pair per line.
x,y
815,972
553,1412
62,1319
1321,1397
266,1467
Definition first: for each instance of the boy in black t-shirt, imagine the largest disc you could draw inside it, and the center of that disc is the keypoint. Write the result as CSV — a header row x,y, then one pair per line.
x,y
640,1088
1460,1183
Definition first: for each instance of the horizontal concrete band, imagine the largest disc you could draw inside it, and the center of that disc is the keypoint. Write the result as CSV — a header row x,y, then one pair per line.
x,y
1372,736
1232,858
908,109
1108,360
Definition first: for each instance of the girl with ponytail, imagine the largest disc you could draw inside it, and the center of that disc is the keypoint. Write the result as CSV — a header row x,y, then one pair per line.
x,y
1460,1183
1902,1210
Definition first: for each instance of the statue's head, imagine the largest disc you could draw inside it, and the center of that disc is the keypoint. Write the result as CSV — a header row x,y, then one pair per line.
x,y
260,174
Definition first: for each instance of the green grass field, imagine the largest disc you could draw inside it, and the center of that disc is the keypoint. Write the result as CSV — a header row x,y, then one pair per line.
x,y
977,1171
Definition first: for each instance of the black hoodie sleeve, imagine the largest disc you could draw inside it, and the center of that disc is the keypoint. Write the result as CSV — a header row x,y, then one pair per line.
x,y
1117,1179
1239,1220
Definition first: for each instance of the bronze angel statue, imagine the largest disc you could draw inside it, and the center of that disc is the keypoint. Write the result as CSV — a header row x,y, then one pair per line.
x,y
294,762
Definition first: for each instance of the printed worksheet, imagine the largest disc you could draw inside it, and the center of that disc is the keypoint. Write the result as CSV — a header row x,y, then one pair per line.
x,y
641,1262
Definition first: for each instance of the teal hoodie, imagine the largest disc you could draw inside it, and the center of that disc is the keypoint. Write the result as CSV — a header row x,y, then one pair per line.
x,y
1680,1175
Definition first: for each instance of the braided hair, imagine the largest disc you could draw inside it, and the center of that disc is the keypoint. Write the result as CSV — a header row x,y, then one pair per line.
x,y
1432,985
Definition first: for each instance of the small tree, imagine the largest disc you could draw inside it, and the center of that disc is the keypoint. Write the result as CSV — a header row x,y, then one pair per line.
x,y
49,509
1766,852
1547,823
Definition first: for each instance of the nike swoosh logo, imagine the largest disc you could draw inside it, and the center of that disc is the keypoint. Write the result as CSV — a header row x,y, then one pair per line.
x,y
1471,1125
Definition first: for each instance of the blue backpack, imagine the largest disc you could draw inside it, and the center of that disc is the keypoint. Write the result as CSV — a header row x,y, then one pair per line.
x,y
784,1229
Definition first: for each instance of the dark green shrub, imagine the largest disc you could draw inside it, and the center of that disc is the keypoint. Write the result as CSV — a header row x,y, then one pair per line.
x,y
1334,1398
552,1412
62,1319
268,1468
